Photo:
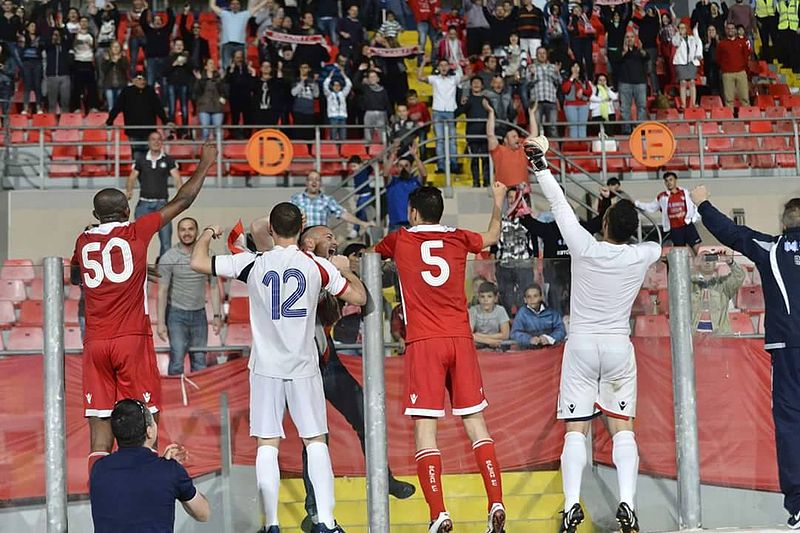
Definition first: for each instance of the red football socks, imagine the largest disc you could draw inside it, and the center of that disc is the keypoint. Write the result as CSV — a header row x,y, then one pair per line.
x,y
429,472
490,470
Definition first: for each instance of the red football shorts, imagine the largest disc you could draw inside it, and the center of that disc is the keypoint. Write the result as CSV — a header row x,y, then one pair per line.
x,y
115,369
433,366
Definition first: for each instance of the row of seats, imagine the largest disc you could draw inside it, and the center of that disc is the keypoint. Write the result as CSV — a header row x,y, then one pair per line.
x,y
658,325
749,299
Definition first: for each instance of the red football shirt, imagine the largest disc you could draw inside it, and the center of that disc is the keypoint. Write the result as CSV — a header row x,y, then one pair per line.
x,y
113,262
431,262
676,208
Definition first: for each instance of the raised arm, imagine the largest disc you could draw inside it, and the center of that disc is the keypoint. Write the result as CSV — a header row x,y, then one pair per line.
x,y
490,136
354,293
188,192
130,182
201,256
650,207
534,125
259,230
492,234
212,5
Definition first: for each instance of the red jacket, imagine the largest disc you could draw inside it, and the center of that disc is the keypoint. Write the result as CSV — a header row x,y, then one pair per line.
x,y
733,55
424,9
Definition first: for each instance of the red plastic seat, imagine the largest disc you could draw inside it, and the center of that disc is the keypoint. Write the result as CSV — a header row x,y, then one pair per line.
x,y
95,145
750,299
761,319
12,290
21,269
737,161
718,143
741,323
765,100
71,119
25,338
19,127
236,153
667,114
733,126
575,146
789,100
691,147
72,338
583,162
7,315
788,159
68,150
616,164
46,121
643,305
721,112
330,159
62,170
778,89
31,313
71,312
651,326
185,155
302,162
238,335
96,119
711,102
239,311
375,149
349,149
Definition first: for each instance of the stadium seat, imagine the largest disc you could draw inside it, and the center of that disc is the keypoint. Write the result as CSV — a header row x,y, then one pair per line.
x,y
71,119
733,126
750,299
330,160
19,127
772,145
789,100
761,319
7,315
25,338
738,161
662,301
72,338
73,292
96,119
722,113
680,128
765,100
237,154
691,147
694,113
349,149
576,146
18,269
778,89
186,156
741,323
656,277
239,311
302,162
760,159
644,303
12,290
36,289
711,102
71,312
68,151
375,149
46,121
616,164
62,170
718,143
580,162
668,114
95,145
237,289
31,313
238,335
651,326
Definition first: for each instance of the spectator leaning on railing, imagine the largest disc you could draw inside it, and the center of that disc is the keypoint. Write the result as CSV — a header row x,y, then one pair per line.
x,y
535,325
489,321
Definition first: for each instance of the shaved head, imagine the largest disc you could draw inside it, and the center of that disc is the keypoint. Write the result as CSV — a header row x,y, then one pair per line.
x,y
318,239
111,205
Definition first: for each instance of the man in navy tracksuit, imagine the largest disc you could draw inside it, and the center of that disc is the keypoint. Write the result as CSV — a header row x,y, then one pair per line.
x,y
778,261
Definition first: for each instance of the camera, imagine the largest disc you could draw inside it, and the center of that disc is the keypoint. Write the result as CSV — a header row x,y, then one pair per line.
x,y
711,258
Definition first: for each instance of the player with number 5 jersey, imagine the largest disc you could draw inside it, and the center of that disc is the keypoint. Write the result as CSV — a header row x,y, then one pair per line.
x,y
440,354
119,359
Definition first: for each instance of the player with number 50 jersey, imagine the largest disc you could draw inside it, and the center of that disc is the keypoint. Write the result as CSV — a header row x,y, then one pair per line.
x,y
119,359
440,352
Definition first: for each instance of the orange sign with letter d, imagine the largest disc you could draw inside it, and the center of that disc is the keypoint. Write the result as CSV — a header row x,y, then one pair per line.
x,y
269,152
652,144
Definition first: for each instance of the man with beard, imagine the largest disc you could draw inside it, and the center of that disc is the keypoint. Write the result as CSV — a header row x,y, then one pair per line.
x,y
340,387
182,302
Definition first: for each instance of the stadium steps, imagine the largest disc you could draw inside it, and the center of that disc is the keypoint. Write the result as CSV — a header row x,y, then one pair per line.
x,y
533,499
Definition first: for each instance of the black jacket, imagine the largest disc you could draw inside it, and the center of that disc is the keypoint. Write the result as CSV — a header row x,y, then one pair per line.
x,y
633,66
777,258
140,107
197,47
59,58
157,44
473,109
648,31
240,83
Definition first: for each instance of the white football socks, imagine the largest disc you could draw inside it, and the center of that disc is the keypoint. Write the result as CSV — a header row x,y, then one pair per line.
x,y
573,461
626,458
268,479
321,474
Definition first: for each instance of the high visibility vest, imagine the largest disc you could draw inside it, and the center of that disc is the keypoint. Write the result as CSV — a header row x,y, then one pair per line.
x,y
765,8
787,15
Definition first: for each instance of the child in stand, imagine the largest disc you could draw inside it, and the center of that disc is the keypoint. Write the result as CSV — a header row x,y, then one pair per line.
x,y
420,114
490,322
390,29
336,96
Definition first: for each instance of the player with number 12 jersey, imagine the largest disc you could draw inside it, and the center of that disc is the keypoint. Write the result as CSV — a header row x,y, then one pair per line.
x,y
440,351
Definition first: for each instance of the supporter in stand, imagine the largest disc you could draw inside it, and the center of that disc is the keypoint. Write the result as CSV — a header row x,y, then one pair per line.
x,y
453,49
84,80
536,325
157,48
557,37
713,293
767,22
418,112
631,75
701,17
530,28
57,70
376,106
336,96
601,104
197,46
30,51
478,29
581,36
733,57
114,73
508,159
406,174
135,38
649,24
400,125
615,20
106,22
515,60
182,316
445,84
489,322
501,97
501,24
146,483
678,213
666,50
514,254
211,95
710,65
233,26
140,106
541,88
351,32
688,53
317,206
239,77
741,14
577,91
179,76
472,106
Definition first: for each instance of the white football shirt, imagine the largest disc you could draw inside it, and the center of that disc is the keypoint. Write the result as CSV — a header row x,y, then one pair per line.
x,y
605,277
284,285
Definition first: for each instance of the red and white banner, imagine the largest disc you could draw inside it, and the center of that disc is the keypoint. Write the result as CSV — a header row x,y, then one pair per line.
x,y
609,2
237,242
394,52
293,39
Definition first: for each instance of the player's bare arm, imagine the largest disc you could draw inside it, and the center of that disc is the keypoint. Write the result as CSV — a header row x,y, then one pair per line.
x,y
355,293
131,181
492,234
259,230
699,195
187,194
163,293
201,255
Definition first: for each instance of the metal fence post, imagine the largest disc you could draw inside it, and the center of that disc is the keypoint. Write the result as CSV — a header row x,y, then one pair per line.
x,y
375,399
43,184
683,379
447,155
218,139
226,460
55,450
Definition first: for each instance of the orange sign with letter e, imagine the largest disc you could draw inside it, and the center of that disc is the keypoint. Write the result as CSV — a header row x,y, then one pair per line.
x,y
269,152
652,144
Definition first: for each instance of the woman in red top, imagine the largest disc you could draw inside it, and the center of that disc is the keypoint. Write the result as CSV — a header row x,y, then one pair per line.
x,y
577,90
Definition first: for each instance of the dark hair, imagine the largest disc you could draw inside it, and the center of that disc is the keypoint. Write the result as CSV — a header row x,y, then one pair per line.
x,y
612,181
622,221
129,421
353,248
286,219
354,159
428,202
534,287
791,214
452,27
473,78
487,286
411,92
194,221
668,174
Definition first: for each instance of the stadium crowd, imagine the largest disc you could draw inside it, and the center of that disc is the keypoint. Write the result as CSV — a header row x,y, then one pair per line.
x,y
337,62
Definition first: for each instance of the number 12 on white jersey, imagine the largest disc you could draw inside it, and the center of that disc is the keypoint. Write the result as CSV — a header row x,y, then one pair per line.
x,y
440,262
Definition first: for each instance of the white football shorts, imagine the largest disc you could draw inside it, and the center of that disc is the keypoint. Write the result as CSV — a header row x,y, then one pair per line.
x,y
598,374
269,398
